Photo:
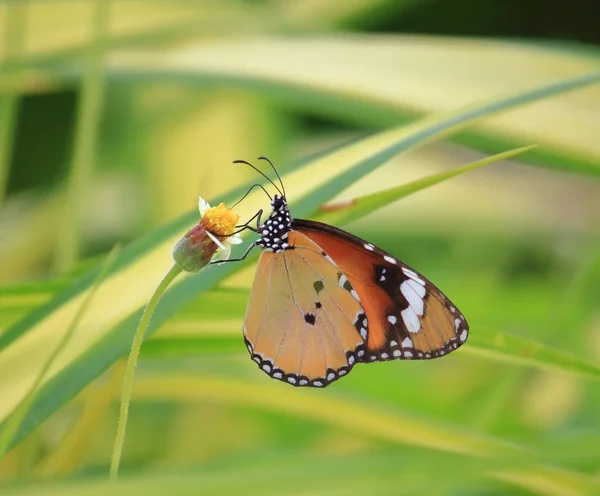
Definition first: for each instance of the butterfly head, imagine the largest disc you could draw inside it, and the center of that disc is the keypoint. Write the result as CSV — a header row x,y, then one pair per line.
x,y
278,202
274,232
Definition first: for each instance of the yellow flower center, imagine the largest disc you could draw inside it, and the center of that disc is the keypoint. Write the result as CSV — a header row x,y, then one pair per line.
x,y
220,220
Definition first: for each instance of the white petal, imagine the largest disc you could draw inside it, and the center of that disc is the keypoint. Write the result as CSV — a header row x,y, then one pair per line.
x,y
216,240
223,254
203,205
234,240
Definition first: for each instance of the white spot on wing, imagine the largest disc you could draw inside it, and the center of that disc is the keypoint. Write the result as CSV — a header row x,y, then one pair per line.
x,y
411,320
277,375
417,288
363,333
330,376
393,343
392,319
456,324
292,380
369,246
408,354
407,343
397,353
415,302
463,335
413,275
409,273
389,259
267,368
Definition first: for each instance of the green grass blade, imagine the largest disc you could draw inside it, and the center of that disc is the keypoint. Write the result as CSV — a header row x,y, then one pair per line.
x,y
372,422
359,207
15,20
12,425
515,349
86,135
257,66
344,475
496,345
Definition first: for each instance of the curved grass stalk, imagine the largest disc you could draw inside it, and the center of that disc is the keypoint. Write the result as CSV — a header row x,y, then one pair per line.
x,y
130,368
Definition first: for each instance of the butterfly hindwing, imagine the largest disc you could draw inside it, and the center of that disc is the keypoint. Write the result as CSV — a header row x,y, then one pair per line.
x,y
305,324
409,317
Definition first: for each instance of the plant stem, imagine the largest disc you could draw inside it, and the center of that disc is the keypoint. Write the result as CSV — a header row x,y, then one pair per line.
x,y
89,113
15,28
130,368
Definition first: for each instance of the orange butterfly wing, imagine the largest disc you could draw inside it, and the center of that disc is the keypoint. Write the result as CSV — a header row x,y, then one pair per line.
x,y
304,324
408,316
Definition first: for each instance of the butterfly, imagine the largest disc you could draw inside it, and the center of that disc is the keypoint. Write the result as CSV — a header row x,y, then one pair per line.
x,y
324,300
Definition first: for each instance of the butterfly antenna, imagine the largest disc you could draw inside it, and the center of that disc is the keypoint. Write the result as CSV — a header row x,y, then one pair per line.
x,y
248,192
260,172
276,173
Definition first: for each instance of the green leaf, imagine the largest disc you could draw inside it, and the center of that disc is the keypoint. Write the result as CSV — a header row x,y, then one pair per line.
x,y
11,426
392,79
359,207
515,349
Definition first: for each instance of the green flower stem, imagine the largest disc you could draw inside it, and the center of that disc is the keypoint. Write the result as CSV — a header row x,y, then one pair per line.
x,y
130,368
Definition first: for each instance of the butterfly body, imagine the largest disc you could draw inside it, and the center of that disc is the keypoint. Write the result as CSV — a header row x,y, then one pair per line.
x,y
324,300
274,232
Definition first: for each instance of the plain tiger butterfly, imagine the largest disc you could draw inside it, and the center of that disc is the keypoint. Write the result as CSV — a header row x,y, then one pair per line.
x,y
324,300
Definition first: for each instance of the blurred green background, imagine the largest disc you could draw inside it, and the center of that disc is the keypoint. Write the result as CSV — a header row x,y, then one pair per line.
x,y
115,117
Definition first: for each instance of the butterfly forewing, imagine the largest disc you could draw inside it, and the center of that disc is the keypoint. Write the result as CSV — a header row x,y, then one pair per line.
x,y
408,316
305,324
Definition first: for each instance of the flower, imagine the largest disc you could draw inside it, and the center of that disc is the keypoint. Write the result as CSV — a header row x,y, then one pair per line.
x,y
210,240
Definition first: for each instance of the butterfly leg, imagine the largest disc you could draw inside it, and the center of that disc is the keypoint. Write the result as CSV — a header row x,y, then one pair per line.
x,y
243,257
257,216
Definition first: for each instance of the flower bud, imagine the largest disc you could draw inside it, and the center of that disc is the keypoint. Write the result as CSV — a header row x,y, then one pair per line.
x,y
214,233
